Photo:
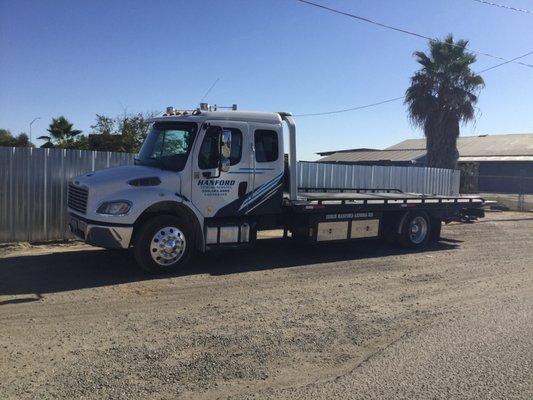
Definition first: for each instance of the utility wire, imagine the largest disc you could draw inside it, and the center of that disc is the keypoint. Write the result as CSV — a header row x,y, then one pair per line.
x,y
505,62
504,6
402,30
350,109
401,97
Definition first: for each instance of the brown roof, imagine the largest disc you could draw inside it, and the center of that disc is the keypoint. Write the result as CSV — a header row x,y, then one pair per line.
x,y
511,147
485,145
327,153
381,155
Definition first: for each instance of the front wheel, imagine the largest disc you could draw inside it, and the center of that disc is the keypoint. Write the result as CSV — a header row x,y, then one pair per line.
x,y
414,230
163,244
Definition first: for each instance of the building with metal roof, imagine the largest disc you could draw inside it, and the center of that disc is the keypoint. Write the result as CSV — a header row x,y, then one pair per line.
x,y
511,147
502,163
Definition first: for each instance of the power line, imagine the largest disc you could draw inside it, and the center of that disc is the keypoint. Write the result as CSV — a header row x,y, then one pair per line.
x,y
401,97
504,6
402,30
506,62
350,109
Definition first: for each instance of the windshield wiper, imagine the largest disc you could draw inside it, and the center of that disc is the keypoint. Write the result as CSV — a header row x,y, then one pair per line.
x,y
159,163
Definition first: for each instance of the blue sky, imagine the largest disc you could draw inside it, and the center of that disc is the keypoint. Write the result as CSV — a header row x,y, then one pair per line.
x,y
78,58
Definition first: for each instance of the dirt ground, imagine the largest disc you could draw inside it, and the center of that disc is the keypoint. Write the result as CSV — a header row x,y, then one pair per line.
x,y
359,320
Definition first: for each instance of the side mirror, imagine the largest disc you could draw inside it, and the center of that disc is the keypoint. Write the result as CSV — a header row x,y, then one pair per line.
x,y
225,144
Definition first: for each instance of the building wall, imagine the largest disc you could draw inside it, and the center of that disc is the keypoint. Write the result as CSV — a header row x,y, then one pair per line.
x,y
506,177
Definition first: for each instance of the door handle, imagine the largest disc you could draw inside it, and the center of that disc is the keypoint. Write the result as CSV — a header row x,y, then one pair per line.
x,y
242,188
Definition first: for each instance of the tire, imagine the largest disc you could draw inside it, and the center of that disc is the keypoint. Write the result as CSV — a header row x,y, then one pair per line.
x,y
414,230
435,229
163,244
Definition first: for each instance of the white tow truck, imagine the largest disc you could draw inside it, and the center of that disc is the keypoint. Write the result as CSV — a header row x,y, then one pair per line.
x,y
210,179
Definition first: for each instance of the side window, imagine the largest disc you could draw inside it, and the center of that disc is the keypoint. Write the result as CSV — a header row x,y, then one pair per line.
x,y
208,155
266,145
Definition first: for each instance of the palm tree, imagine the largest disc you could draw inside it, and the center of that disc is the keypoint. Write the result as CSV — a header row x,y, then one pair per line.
x,y
48,144
442,95
61,131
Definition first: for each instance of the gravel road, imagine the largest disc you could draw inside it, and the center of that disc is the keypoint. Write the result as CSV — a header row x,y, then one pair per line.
x,y
354,321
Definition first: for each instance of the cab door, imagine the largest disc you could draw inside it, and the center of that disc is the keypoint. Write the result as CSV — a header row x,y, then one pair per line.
x,y
268,169
216,193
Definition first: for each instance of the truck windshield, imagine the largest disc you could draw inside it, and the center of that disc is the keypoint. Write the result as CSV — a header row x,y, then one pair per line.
x,y
167,146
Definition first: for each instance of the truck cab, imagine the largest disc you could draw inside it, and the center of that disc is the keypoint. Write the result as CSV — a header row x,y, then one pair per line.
x,y
202,179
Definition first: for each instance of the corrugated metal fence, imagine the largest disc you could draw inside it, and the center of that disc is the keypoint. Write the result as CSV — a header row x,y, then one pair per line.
x,y
408,179
33,185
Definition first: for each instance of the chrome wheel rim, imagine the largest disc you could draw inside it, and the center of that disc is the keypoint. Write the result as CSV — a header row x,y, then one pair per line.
x,y
418,230
168,246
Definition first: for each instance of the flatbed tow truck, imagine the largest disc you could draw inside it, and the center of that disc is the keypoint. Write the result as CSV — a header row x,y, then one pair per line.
x,y
210,179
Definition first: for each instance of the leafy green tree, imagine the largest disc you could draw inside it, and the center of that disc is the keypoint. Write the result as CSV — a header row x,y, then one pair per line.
x,y
125,133
61,132
134,130
7,139
442,95
81,142
104,136
104,125
22,140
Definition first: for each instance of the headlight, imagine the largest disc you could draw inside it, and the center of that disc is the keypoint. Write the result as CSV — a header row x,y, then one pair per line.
x,y
119,207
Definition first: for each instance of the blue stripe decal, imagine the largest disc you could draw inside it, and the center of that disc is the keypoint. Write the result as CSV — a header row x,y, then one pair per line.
x,y
249,199
246,172
258,169
265,198
261,190
264,185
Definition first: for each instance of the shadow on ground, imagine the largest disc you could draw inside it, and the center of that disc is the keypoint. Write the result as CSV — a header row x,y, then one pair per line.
x,y
72,270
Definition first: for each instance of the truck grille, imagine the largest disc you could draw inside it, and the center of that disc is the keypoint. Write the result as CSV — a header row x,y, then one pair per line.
x,y
77,198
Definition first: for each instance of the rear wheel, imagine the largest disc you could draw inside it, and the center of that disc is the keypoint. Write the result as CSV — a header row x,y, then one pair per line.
x,y
163,244
414,229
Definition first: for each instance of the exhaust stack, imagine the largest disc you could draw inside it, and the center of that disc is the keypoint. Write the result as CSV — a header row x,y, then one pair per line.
x,y
293,179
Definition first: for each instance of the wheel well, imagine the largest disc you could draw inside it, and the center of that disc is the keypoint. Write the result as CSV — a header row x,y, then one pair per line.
x,y
170,208
391,220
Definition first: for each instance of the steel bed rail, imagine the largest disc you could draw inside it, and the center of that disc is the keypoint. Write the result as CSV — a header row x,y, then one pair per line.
x,y
396,200
344,190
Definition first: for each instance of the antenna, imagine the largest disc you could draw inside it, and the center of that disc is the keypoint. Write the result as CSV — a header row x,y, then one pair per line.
x,y
210,88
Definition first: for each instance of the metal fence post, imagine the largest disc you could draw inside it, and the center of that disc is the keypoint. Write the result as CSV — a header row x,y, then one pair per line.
x,y
521,200
45,192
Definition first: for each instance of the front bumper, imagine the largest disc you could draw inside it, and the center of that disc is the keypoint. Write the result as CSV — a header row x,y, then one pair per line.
x,y
100,234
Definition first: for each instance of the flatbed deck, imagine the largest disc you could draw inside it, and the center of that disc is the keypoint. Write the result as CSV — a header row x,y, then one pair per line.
x,y
374,196
316,200
385,197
